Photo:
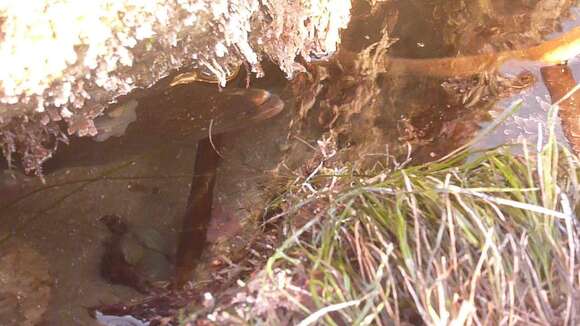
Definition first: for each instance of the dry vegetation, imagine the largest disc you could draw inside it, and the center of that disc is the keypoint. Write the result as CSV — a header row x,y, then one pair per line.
x,y
475,238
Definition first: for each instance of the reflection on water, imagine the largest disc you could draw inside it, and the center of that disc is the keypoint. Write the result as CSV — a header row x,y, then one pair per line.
x,y
452,68
418,92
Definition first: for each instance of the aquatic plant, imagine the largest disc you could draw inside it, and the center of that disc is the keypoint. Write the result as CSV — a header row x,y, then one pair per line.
x,y
484,237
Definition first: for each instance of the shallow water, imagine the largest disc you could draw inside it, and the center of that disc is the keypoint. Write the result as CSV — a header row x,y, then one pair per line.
x,y
57,223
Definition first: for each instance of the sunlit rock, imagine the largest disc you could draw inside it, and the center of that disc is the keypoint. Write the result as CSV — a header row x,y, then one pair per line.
x,y
69,60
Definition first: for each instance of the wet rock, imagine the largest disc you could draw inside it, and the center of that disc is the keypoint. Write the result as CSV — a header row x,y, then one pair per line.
x,y
25,285
135,256
99,52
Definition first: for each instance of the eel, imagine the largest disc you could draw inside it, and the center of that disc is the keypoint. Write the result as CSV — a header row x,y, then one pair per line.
x,y
190,118
182,115
193,234
227,111
188,115
197,215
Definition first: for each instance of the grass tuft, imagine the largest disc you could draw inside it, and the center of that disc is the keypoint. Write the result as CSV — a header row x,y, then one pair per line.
x,y
475,238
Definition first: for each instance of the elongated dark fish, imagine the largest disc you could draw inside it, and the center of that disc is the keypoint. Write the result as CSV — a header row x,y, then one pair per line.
x,y
193,235
183,115
189,114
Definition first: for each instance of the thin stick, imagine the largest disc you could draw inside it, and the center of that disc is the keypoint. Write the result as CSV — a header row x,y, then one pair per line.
x,y
211,140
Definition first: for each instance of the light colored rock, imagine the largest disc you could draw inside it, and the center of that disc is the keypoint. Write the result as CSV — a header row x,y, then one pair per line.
x,y
25,285
68,60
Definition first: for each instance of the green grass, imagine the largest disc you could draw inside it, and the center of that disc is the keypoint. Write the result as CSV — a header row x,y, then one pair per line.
x,y
475,238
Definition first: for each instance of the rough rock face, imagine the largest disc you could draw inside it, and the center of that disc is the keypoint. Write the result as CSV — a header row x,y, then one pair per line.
x,y
25,285
67,60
